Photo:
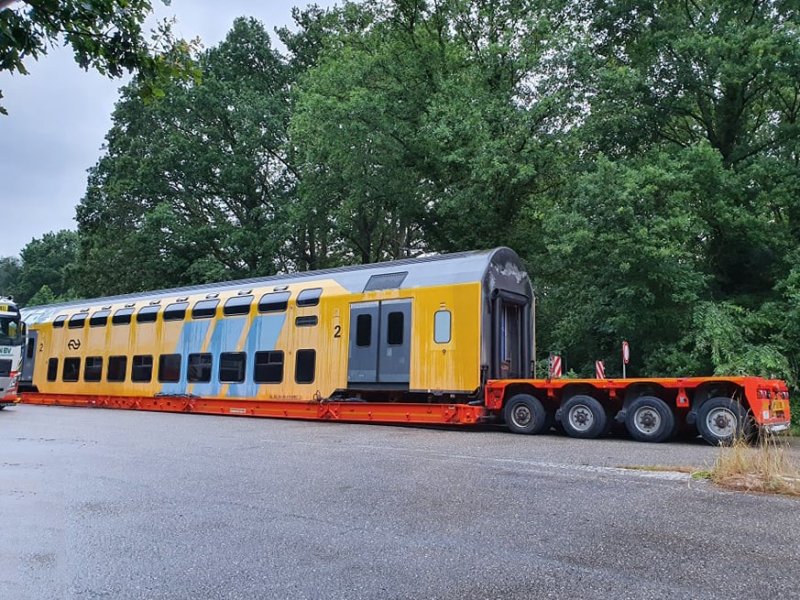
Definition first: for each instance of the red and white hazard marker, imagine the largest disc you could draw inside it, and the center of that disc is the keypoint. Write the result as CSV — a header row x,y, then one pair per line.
x,y
555,366
599,369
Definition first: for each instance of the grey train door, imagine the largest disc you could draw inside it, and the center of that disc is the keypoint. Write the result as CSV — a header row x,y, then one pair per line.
x,y
380,342
29,359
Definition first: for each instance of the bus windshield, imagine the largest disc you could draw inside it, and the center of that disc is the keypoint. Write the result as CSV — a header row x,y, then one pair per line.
x,y
10,331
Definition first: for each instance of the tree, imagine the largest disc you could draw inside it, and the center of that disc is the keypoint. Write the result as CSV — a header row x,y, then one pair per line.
x,y
49,262
105,35
9,274
420,127
192,186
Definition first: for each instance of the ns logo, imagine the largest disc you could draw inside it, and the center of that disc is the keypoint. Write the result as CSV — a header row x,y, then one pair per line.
x,y
74,344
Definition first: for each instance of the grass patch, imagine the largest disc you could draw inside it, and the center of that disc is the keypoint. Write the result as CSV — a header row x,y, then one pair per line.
x,y
767,467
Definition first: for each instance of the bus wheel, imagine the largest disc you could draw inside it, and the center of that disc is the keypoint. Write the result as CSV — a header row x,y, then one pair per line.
x,y
583,417
525,414
721,420
650,419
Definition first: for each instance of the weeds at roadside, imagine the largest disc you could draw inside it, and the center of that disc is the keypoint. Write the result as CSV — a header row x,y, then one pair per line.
x,y
766,467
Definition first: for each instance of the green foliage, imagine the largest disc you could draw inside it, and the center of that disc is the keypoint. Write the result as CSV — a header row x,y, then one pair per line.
x,y
47,269
9,274
192,186
105,35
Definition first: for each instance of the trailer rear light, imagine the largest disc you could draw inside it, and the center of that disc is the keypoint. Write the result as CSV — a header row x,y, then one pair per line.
x,y
762,394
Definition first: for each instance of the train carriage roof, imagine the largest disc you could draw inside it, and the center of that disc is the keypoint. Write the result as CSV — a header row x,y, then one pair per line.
x,y
441,269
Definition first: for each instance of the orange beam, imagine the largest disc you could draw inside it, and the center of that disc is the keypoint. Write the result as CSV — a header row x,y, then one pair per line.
x,y
441,414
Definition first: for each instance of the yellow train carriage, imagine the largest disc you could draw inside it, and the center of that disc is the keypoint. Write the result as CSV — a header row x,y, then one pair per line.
x,y
408,330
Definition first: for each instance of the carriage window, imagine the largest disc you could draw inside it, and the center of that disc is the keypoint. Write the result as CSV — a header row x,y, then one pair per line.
x,y
142,369
269,367
308,321
72,369
309,297
77,321
117,365
394,335
93,368
363,330
239,305
441,326
273,302
122,316
147,314
99,319
52,369
199,368
232,367
176,311
205,309
169,368
58,322
31,348
305,366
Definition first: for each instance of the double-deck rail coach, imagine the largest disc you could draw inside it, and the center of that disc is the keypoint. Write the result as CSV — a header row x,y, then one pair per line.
x,y
440,339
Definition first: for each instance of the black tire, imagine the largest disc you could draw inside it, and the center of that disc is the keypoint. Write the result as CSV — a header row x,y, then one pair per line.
x,y
525,414
722,420
583,417
650,419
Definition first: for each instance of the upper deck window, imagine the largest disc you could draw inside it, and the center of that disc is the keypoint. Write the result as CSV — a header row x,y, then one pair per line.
x,y
240,305
176,311
309,297
122,316
205,309
147,314
99,319
58,322
273,302
77,321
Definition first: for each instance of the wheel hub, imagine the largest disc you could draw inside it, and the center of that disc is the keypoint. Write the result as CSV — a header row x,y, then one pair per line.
x,y
722,422
522,416
581,417
647,420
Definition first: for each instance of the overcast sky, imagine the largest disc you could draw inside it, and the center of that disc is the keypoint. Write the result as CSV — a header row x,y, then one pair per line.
x,y
59,115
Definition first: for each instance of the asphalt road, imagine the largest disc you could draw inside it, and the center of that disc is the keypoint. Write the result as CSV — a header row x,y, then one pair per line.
x,y
122,504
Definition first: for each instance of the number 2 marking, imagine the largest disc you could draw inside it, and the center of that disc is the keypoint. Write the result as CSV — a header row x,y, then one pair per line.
x,y
337,331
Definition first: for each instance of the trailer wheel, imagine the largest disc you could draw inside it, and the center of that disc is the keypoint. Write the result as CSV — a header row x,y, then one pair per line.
x,y
650,419
525,414
722,420
583,417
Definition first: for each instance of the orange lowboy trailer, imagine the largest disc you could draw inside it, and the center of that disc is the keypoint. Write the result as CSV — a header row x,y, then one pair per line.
x,y
712,404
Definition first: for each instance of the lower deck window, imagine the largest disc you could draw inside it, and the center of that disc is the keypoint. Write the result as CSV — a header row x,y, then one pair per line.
x,y
269,367
305,366
52,369
93,369
199,368
169,368
232,367
117,365
142,369
72,369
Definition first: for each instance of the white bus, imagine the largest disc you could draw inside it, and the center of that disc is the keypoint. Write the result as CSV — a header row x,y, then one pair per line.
x,y
12,343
